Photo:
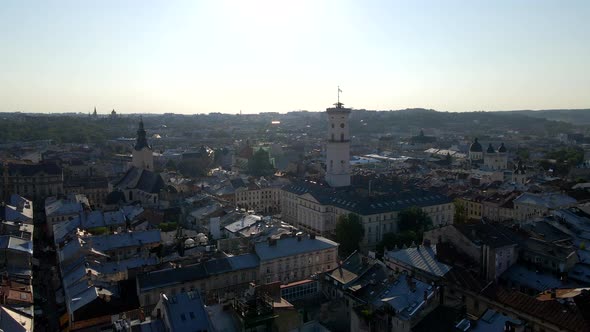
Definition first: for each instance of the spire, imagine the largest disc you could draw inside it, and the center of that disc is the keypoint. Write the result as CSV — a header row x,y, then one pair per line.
x,y
141,137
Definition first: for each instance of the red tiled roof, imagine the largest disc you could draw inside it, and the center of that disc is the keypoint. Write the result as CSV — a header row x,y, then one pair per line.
x,y
565,317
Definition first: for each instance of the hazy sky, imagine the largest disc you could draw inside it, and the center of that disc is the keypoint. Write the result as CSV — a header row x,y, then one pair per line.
x,y
260,56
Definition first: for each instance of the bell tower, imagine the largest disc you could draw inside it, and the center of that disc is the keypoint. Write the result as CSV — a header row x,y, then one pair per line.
x,y
143,156
338,145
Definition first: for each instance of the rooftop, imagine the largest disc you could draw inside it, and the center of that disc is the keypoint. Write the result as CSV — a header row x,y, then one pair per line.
x,y
547,200
244,222
495,236
162,278
550,311
492,320
122,240
422,258
186,312
364,205
291,246
141,179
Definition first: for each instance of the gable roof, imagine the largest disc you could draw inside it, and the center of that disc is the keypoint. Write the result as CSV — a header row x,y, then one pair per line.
x,y
141,179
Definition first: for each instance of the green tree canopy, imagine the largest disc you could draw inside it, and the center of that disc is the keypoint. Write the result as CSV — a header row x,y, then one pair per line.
x,y
259,164
414,219
349,233
460,213
391,240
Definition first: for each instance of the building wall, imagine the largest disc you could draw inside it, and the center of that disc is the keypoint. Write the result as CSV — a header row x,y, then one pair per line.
x,y
496,161
143,159
298,267
529,211
96,196
452,235
306,213
264,200
338,148
550,262
36,187
473,208
217,285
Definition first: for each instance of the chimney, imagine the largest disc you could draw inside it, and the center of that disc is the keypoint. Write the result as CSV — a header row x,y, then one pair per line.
x,y
312,236
425,296
298,238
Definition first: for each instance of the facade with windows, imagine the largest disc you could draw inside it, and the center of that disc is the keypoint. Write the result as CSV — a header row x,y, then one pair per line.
x,y
295,258
33,181
300,290
216,278
316,209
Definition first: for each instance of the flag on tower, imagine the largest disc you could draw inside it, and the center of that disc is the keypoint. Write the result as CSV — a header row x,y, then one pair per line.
x,y
339,89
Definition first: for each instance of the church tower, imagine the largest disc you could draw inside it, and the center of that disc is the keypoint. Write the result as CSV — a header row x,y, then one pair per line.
x,y
143,156
338,146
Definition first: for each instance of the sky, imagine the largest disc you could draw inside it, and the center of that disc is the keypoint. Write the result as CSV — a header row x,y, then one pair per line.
x,y
277,56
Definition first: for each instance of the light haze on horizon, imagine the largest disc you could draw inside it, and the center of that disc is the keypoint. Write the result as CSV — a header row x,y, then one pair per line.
x,y
279,56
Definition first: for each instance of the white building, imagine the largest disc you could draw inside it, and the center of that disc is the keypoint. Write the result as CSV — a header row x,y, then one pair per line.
x,y
496,160
316,209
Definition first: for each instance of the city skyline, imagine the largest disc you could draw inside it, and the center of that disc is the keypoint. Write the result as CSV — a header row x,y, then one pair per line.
x,y
262,56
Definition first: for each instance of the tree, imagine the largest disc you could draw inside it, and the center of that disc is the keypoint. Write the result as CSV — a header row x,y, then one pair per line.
x,y
460,213
414,219
259,164
391,240
349,233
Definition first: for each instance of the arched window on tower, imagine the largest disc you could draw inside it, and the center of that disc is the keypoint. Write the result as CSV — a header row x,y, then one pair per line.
x,y
342,137
331,164
332,137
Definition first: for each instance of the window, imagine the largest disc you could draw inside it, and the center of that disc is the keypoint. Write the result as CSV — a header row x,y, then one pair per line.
x,y
342,137
342,125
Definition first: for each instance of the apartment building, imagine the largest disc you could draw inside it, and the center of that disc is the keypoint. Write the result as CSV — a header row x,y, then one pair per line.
x,y
295,258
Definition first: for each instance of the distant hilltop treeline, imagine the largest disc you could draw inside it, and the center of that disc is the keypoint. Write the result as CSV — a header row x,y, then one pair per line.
x,y
84,128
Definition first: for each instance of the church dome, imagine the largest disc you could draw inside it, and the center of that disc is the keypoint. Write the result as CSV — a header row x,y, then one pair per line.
x,y
475,147
490,149
502,148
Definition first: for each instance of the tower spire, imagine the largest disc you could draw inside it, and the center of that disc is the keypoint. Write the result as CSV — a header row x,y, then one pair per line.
x,y
141,136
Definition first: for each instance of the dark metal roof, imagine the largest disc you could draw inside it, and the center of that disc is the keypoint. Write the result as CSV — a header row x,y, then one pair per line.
x,y
141,138
366,205
494,236
141,179
475,146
